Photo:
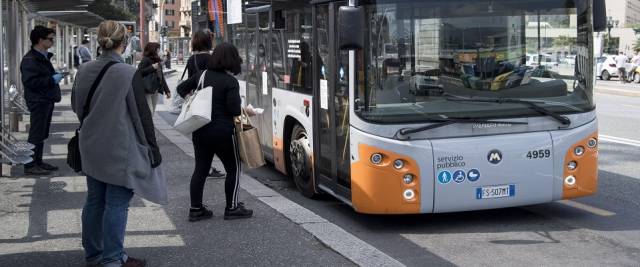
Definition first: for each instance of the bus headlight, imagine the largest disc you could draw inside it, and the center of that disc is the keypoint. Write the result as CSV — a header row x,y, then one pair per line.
x,y
592,143
572,165
398,164
579,151
409,194
376,158
408,178
570,180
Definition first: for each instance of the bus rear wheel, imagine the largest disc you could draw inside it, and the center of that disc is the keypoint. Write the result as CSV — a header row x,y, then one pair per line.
x,y
300,161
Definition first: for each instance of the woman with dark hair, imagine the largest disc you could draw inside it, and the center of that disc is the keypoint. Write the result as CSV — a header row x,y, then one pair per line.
x,y
156,84
218,137
201,45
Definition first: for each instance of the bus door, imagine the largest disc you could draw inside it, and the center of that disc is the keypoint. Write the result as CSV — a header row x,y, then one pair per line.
x,y
251,70
262,72
266,84
332,99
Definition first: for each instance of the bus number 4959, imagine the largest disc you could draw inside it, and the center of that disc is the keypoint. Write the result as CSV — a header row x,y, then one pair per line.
x,y
539,154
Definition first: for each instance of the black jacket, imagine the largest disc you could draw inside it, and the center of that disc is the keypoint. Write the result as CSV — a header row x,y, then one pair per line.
x,y
225,103
145,67
197,62
37,72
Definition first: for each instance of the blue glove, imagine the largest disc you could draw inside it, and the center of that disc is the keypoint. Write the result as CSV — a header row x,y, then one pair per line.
x,y
57,78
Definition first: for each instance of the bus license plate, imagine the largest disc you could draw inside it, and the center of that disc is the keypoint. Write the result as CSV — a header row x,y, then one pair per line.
x,y
495,191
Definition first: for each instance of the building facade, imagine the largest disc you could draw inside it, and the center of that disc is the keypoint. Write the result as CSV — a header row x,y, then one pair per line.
x,y
185,18
171,11
626,12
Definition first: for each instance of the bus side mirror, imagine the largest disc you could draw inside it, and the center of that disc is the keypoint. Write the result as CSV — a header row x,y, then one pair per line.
x,y
351,25
599,16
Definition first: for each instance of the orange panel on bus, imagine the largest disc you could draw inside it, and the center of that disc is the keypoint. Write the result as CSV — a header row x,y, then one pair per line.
x,y
586,173
278,155
379,189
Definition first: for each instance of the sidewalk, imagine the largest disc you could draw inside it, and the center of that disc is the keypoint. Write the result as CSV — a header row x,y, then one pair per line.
x,y
614,88
40,217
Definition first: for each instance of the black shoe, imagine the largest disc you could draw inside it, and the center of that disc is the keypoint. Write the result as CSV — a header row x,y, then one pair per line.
x,y
199,214
215,173
240,212
133,262
35,170
48,166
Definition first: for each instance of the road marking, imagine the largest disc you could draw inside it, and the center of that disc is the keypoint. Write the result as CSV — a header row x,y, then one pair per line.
x,y
630,106
619,140
336,238
587,208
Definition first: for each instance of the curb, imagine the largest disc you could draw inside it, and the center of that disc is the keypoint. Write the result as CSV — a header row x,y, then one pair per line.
x,y
333,236
613,91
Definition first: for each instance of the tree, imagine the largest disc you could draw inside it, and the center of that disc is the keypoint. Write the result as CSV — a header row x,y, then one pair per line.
x,y
562,41
636,46
108,11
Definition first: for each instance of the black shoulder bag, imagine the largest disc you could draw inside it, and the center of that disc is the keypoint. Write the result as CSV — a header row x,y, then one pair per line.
x,y
73,148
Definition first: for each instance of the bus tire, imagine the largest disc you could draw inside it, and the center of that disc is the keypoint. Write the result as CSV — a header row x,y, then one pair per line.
x,y
605,75
299,149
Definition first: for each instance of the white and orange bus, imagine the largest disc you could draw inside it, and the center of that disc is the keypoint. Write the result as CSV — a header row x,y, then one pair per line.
x,y
407,106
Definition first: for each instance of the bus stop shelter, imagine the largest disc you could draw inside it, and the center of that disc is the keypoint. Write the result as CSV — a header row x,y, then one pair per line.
x,y
71,22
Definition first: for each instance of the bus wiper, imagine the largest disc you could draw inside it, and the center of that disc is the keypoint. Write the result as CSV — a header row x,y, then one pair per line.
x,y
444,121
529,103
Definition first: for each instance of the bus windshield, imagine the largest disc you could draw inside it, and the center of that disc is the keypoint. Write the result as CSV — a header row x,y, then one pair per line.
x,y
420,54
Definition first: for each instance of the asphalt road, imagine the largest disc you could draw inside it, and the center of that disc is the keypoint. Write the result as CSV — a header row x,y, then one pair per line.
x,y
601,230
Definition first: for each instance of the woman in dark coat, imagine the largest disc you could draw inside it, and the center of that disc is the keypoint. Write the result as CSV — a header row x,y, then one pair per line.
x,y
167,58
201,45
218,137
150,65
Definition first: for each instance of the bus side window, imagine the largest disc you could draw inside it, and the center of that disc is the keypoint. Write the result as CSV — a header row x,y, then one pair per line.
x,y
278,60
298,35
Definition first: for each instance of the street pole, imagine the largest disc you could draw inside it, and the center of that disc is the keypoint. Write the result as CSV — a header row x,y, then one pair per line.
x,y
161,24
142,28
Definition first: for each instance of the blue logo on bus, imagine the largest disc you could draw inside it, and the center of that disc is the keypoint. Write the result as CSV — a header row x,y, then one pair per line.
x,y
459,176
444,177
473,175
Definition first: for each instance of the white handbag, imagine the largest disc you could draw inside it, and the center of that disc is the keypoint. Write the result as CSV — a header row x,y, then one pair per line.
x,y
196,111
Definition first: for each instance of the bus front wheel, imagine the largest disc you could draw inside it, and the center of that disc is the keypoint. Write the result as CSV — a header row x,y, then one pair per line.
x,y
300,161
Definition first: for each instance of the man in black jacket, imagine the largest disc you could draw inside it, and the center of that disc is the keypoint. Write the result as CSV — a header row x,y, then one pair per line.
x,y
41,91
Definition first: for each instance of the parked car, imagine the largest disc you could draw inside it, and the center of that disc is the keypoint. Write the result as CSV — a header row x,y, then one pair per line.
x,y
547,60
570,59
606,68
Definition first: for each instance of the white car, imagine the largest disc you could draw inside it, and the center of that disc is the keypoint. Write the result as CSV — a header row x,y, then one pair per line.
x,y
547,60
570,59
606,68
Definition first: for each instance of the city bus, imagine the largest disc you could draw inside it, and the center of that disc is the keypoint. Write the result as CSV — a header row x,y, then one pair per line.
x,y
408,107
